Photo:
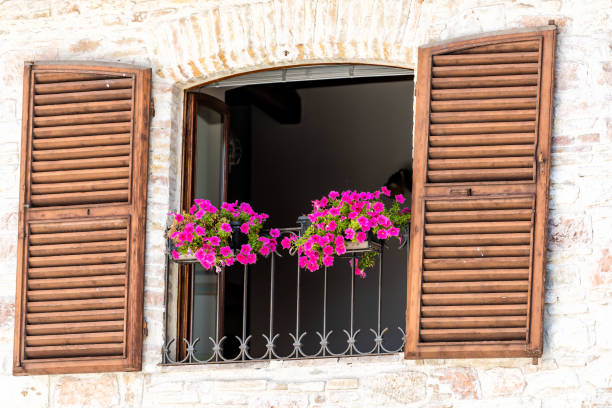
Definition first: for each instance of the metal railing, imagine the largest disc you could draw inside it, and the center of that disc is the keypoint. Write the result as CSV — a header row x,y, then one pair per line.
x,y
351,347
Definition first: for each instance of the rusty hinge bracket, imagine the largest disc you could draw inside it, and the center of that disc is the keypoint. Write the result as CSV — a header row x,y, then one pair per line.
x,y
145,328
152,110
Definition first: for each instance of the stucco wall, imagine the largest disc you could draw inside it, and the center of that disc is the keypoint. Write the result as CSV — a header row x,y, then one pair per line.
x,y
191,41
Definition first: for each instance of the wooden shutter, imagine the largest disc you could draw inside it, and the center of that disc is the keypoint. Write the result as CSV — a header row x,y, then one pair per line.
x,y
80,272
480,196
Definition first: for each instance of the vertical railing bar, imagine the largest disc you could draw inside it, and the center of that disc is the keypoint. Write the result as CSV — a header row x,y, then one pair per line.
x,y
244,306
167,265
380,268
192,291
271,330
218,313
325,307
353,266
297,313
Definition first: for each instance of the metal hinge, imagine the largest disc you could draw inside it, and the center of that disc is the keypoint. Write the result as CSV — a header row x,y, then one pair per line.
x,y
145,328
152,107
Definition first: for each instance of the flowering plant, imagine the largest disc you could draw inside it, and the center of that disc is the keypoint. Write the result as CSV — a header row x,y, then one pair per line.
x,y
345,217
210,234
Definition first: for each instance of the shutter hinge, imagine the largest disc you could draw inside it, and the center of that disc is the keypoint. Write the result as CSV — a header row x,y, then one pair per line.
x,y
152,110
145,328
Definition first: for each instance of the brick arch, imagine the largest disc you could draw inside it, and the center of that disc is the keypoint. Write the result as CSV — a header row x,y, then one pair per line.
x,y
230,40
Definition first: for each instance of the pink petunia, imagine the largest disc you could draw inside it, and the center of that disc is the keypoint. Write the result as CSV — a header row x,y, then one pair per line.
x,y
225,251
363,221
245,249
275,232
349,233
193,209
244,228
229,261
332,226
334,212
400,198
328,260
393,231
340,249
378,207
382,234
302,261
286,243
385,191
176,255
226,227
264,250
251,258
333,195
178,217
361,236
405,210
328,250
200,231
241,258
214,241
199,214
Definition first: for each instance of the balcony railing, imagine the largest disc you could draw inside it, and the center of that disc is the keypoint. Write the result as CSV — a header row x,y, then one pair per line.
x,y
357,342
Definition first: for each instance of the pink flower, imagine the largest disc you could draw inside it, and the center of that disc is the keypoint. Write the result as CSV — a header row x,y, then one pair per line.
x,y
324,202
245,249
349,233
382,234
340,249
361,236
333,195
178,217
358,271
241,258
229,261
302,261
211,209
214,241
393,231
384,221
378,207
193,209
275,232
373,222
199,214
200,254
400,198
405,210
176,255
226,227
252,258
339,240
334,212
385,191
200,231
328,260
353,214
225,251
332,226
286,243
328,250
244,228
363,221
209,258
321,226
264,250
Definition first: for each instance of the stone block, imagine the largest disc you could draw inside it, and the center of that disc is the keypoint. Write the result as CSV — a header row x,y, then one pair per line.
x,y
462,382
342,384
92,391
310,386
400,387
501,382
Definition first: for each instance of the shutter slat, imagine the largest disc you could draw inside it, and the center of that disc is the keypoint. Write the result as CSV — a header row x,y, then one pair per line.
x,y
80,293
515,46
479,128
80,119
77,237
481,151
475,251
485,81
83,107
82,248
483,116
479,175
484,93
483,104
81,270
475,287
78,225
80,175
473,311
95,163
81,141
514,333
478,239
484,163
72,328
81,259
81,282
488,58
490,262
473,322
75,350
82,86
82,130
69,339
485,70
53,77
96,197
76,305
478,227
85,186
480,215
475,275
449,299
482,140
479,204
81,153
86,316
82,97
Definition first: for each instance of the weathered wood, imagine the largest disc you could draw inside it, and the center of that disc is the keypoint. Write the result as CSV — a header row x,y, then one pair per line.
x,y
451,299
64,176
80,270
73,260
476,287
83,107
484,70
95,197
65,351
472,322
75,305
481,151
467,105
513,333
483,116
86,316
82,248
82,153
467,275
82,86
82,187
79,282
81,141
475,310
71,328
484,93
486,58
82,97
79,293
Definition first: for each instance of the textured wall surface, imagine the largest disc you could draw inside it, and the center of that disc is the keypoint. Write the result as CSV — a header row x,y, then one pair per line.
x,y
187,42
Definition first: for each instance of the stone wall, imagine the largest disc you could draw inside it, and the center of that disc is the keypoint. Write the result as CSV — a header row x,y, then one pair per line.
x,y
191,41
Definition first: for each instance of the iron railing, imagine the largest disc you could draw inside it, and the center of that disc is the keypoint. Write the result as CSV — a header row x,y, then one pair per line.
x,y
351,348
